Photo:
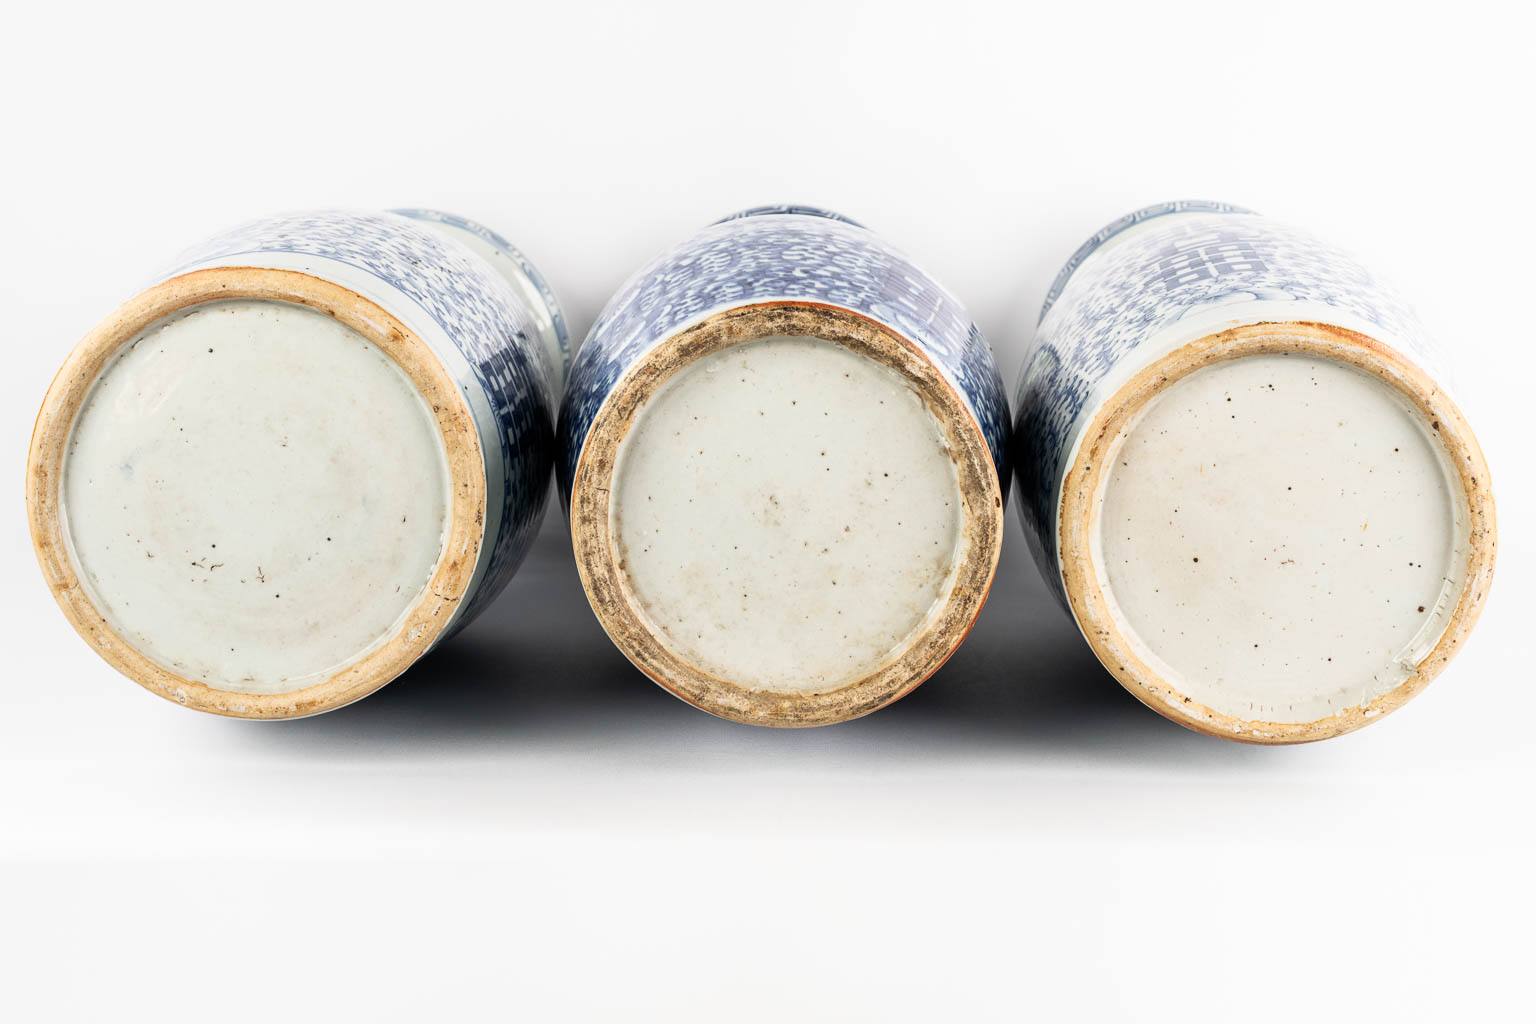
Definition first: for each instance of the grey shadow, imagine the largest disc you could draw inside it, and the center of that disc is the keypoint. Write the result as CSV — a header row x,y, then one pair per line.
x,y
537,674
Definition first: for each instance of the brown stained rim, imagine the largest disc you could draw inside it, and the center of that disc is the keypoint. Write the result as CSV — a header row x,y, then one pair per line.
x,y
1082,486
601,566
423,622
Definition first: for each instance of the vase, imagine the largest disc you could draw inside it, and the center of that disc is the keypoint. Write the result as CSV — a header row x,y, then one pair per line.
x,y
304,455
783,457
1241,469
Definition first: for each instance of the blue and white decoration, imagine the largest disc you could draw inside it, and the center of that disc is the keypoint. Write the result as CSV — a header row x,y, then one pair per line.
x,y
1139,281
469,315
784,253
525,276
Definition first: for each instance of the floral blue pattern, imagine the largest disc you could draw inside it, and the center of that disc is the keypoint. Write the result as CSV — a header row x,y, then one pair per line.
x,y
1111,300
481,316
790,253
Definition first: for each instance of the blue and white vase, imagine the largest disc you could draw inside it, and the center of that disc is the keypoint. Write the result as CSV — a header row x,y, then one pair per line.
x,y
304,455
1240,468
784,457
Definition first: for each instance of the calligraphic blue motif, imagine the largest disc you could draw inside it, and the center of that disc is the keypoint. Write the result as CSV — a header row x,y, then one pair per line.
x,y
476,309
525,265
1123,288
785,253
1118,227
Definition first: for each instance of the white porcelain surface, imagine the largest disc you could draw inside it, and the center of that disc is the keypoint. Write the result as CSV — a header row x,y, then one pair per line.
x,y
254,494
1282,532
788,513
1311,611
482,324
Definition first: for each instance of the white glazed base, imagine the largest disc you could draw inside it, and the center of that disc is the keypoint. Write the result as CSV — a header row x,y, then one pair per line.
x,y
1281,534
254,495
270,529
785,515
1277,533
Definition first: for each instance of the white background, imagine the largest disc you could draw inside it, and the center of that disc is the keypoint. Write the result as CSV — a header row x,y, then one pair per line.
x,y
524,827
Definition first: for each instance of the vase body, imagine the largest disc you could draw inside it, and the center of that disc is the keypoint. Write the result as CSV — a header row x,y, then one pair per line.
x,y
784,458
1240,468
307,452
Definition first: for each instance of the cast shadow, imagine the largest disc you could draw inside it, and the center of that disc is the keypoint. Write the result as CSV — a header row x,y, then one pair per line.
x,y
537,675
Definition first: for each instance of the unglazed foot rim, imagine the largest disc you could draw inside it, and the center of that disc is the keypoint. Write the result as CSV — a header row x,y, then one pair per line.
x,y
422,622
598,551
1085,479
